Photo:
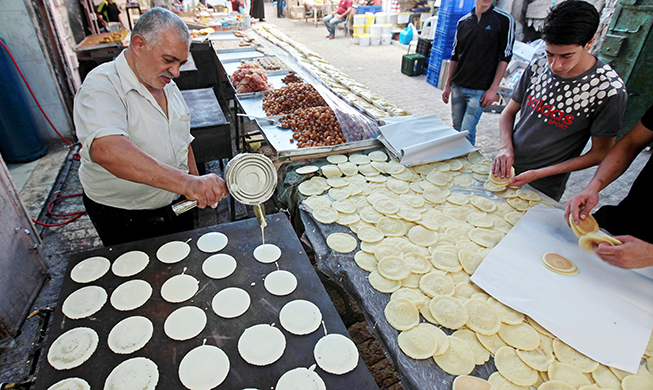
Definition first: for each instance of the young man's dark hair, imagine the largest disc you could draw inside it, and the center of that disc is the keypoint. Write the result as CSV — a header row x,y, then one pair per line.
x,y
573,22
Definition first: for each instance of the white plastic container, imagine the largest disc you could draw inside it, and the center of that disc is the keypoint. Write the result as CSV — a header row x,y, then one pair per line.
x,y
359,20
429,27
357,39
380,18
375,40
376,30
359,29
387,29
364,40
392,18
386,39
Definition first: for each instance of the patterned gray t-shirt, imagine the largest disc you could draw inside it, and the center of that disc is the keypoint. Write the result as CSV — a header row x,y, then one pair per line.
x,y
558,115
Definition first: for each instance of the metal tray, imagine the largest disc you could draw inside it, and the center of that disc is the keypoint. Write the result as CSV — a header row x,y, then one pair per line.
x,y
239,55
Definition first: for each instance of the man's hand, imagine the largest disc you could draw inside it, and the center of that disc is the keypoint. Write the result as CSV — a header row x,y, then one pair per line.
x,y
446,92
503,162
524,178
633,253
489,97
580,205
207,190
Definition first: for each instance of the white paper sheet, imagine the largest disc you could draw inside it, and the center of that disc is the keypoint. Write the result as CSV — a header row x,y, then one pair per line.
x,y
604,312
423,139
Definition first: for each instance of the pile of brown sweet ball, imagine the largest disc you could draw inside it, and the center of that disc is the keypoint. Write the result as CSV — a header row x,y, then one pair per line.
x,y
313,122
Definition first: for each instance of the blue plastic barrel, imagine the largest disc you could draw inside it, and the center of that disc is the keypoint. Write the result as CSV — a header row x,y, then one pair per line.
x,y
20,140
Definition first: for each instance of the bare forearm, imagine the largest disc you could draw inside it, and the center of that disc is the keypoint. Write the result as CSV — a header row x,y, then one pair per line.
x,y
192,164
452,70
506,126
498,75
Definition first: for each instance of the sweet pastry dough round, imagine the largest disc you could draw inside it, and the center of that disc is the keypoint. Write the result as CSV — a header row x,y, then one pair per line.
x,y
528,195
446,260
261,345
498,382
412,294
341,242
71,384
325,215
484,237
397,186
402,314
507,315
480,220
483,319
556,385
337,158
511,367
339,193
492,343
130,263
537,359
331,171
394,268
469,260
448,312
521,336
501,181
418,343
393,167
73,348
313,202
409,213
559,264
635,382
513,217
458,359
435,195
436,283
311,187
185,323
481,355
419,235
179,288
519,204
203,368
173,252
568,355
606,379
300,317
135,373
219,266
568,374
391,227
591,240
417,262
306,169
378,155
336,354
488,185
267,253
386,206
231,302
587,225
130,335
463,181
212,242
300,378
131,295
365,261
369,214
90,270
348,168
280,282
346,206
382,284
370,234
483,204
84,302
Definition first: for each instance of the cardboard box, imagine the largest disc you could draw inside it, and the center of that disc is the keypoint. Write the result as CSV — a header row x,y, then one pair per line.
x,y
297,12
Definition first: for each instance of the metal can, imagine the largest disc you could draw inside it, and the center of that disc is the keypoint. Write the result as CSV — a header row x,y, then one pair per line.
x,y
251,178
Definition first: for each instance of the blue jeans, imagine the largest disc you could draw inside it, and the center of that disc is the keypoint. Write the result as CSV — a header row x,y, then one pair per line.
x,y
331,22
466,110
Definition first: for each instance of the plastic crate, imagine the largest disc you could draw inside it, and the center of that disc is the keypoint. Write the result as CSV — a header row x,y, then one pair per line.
x,y
412,64
369,8
424,47
432,75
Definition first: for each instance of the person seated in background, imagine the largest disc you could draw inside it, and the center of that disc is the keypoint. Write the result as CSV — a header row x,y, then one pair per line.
x,y
564,99
338,16
237,6
108,12
631,219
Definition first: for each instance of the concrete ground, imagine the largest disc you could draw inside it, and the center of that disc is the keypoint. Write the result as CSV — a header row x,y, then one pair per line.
x,y
378,67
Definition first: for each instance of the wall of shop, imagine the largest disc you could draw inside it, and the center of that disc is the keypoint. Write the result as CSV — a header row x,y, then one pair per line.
x,y
23,40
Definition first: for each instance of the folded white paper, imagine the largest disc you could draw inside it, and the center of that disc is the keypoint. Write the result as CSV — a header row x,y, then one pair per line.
x,y
423,139
604,312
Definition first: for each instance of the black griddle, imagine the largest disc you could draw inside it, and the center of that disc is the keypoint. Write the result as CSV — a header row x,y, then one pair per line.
x,y
243,236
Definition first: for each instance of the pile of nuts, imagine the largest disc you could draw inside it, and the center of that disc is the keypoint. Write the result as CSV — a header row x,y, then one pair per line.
x,y
295,96
292,78
316,126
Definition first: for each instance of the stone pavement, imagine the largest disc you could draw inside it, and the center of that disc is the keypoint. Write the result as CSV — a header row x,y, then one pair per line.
x,y
379,68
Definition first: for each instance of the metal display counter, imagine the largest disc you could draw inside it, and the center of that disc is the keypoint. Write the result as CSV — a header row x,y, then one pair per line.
x,y
251,104
244,237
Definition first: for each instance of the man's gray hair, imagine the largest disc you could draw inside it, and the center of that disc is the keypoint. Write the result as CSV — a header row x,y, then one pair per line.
x,y
153,23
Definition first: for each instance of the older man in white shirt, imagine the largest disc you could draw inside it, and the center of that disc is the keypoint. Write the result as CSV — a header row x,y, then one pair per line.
x,y
134,127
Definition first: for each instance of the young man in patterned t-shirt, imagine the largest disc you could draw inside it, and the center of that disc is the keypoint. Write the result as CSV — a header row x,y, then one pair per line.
x,y
565,98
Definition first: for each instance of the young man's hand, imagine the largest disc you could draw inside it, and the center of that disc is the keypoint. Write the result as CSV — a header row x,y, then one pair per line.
x,y
633,253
